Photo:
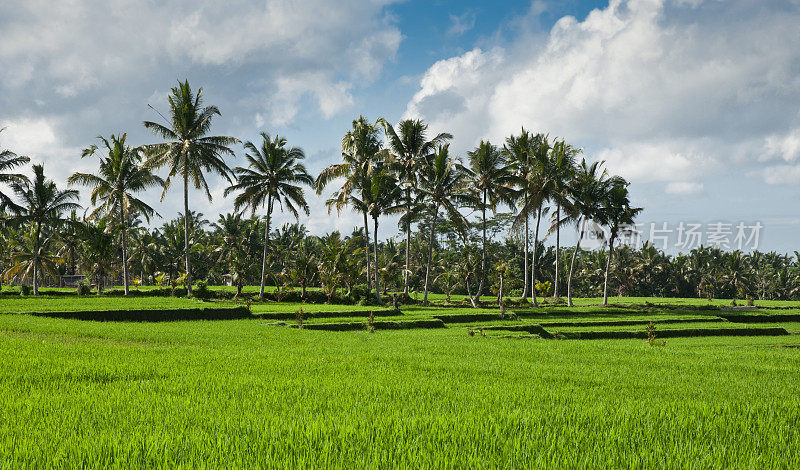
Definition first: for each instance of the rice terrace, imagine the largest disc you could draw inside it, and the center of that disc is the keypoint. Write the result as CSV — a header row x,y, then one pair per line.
x,y
400,234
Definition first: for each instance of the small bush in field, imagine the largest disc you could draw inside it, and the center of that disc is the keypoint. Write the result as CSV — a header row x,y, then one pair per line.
x,y
651,336
25,289
83,288
200,290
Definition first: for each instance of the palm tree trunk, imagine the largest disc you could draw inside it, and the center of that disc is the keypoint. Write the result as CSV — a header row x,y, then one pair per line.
x,y
124,251
533,260
266,247
186,216
366,247
375,251
525,268
36,260
430,255
608,266
500,293
558,248
408,241
572,264
483,255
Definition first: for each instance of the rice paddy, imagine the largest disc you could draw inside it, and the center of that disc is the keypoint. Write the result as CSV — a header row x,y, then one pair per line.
x,y
261,393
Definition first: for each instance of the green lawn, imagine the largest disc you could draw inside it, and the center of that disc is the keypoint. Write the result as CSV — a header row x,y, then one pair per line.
x,y
245,393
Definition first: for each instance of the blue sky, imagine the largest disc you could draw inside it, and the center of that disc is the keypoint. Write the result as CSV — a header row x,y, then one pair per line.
x,y
696,102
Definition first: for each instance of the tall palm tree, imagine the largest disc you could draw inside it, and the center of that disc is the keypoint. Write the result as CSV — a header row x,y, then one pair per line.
x,y
120,177
361,148
561,170
616,214
189,150
409,145
42,205
8,161
587,191
518,150
443,185
489,177
383,196
274,174
540,188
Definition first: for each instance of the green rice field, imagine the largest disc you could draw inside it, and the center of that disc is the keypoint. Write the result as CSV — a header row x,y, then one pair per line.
x,y
477,391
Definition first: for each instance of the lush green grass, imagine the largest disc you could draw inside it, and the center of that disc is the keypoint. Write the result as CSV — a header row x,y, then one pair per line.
x,y
44,303
243,393
250,393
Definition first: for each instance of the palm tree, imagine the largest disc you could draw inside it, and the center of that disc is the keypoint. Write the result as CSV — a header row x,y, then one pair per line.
x,y
304,266
442,185
97,251
42,205
738,273
231,250
144,253
587,191
540,190
560,172
69,243
383,196
409,146
332,263
518,151
9,160
119,178
274,174
189,151
31,255
361,149
616,214
490,179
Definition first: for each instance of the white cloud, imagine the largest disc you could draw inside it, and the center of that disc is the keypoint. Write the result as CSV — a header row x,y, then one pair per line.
x,y
779,174
785,146
321,47
42,141
460,24
683,187
664,90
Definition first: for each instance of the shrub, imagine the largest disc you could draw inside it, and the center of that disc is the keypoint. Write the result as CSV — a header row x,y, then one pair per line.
x,y
544,288
25,289
200,290
651,336
750,301
84,287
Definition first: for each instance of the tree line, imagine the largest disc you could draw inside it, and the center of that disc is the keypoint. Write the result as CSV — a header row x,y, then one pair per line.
x,y
544,183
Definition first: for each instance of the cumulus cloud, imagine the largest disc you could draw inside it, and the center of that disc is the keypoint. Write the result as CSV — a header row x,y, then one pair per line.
x,y
72,70
314,47
663,90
